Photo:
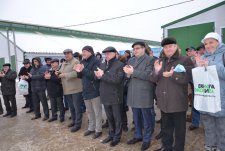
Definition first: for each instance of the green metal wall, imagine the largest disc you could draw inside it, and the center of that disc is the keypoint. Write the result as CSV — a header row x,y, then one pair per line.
x,y
2,61
223,34
13,62
190,35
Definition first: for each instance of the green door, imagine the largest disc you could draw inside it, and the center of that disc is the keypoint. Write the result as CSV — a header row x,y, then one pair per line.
x,y
2,61
190,35
223,35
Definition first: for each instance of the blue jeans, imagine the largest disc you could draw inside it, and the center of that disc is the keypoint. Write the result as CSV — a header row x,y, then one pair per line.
x,y
147,114
74,101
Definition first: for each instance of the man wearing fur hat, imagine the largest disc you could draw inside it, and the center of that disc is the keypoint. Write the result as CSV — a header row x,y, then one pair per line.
x,y
8,87
172,72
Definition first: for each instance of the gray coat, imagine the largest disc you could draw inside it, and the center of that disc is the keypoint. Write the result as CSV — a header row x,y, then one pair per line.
x,y
140,88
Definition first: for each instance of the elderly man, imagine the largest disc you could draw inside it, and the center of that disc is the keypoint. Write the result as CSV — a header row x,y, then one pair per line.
x,y
172,72
140,94
91,93
8,87
111,77
72,89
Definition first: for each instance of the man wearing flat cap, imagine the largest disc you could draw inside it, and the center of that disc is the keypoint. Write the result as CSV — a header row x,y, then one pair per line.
x,y
91,94
23,74
8,87
140,94
111,77
72,89
172,93
55,91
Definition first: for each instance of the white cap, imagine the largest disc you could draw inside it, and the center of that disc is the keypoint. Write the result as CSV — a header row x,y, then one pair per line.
x,y
212,35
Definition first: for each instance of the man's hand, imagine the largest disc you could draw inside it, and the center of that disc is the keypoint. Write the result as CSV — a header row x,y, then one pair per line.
x,y
62,75
47,76
158,66
99,73
29,75
2,74
78,67
168,74
128,69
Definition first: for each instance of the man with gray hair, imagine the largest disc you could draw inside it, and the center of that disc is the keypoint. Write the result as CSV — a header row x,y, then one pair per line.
x,y
72,88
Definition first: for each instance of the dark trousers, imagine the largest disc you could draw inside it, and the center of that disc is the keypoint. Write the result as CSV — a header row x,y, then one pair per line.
x,y
37,98
114,116
29,100
1,109
12,109
57,103
124,111
74,101
174,122
143,117
66,105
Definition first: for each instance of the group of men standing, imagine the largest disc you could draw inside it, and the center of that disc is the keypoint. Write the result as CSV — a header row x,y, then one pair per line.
x,y
100,83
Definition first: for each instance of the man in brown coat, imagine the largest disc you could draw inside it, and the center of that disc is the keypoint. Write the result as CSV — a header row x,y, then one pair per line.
x,y
172,73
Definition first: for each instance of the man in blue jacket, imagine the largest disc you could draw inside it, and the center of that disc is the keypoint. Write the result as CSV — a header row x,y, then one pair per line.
x,y
38,87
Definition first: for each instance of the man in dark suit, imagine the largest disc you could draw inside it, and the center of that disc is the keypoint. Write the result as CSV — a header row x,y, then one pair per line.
x,y
8,87
111,77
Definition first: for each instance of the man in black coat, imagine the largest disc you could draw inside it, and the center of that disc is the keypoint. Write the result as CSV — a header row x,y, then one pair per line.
x,y
23,74
8,87
111,77
55,91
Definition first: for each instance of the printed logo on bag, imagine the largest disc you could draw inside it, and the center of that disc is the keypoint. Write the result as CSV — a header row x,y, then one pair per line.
x,y
21,86
205,89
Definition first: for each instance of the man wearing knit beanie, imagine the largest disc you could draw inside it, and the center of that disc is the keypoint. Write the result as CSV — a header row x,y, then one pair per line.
x,y
91,94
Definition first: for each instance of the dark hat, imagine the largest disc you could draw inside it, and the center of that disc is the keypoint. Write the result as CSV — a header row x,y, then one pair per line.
x,y
89,49
190,48
168,40
62,60
6,64
141,43
54,60
109,49
68,50
127,51
48,59
76,54
26,61
200,47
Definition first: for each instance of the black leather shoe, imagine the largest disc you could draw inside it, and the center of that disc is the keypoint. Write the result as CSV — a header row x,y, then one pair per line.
x,y
30,111
45,118
114,143
96,135
108,139
159,136
13,115
106,125
145,146
134,141
36,117
191,128
61,120
26,106
125,128
71,125
74,129
52,119
7,114
88,133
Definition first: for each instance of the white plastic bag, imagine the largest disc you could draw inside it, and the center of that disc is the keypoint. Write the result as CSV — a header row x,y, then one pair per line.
x,y
206,89
23,87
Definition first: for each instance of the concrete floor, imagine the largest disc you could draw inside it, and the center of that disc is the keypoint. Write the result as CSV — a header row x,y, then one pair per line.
x,y
23,134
